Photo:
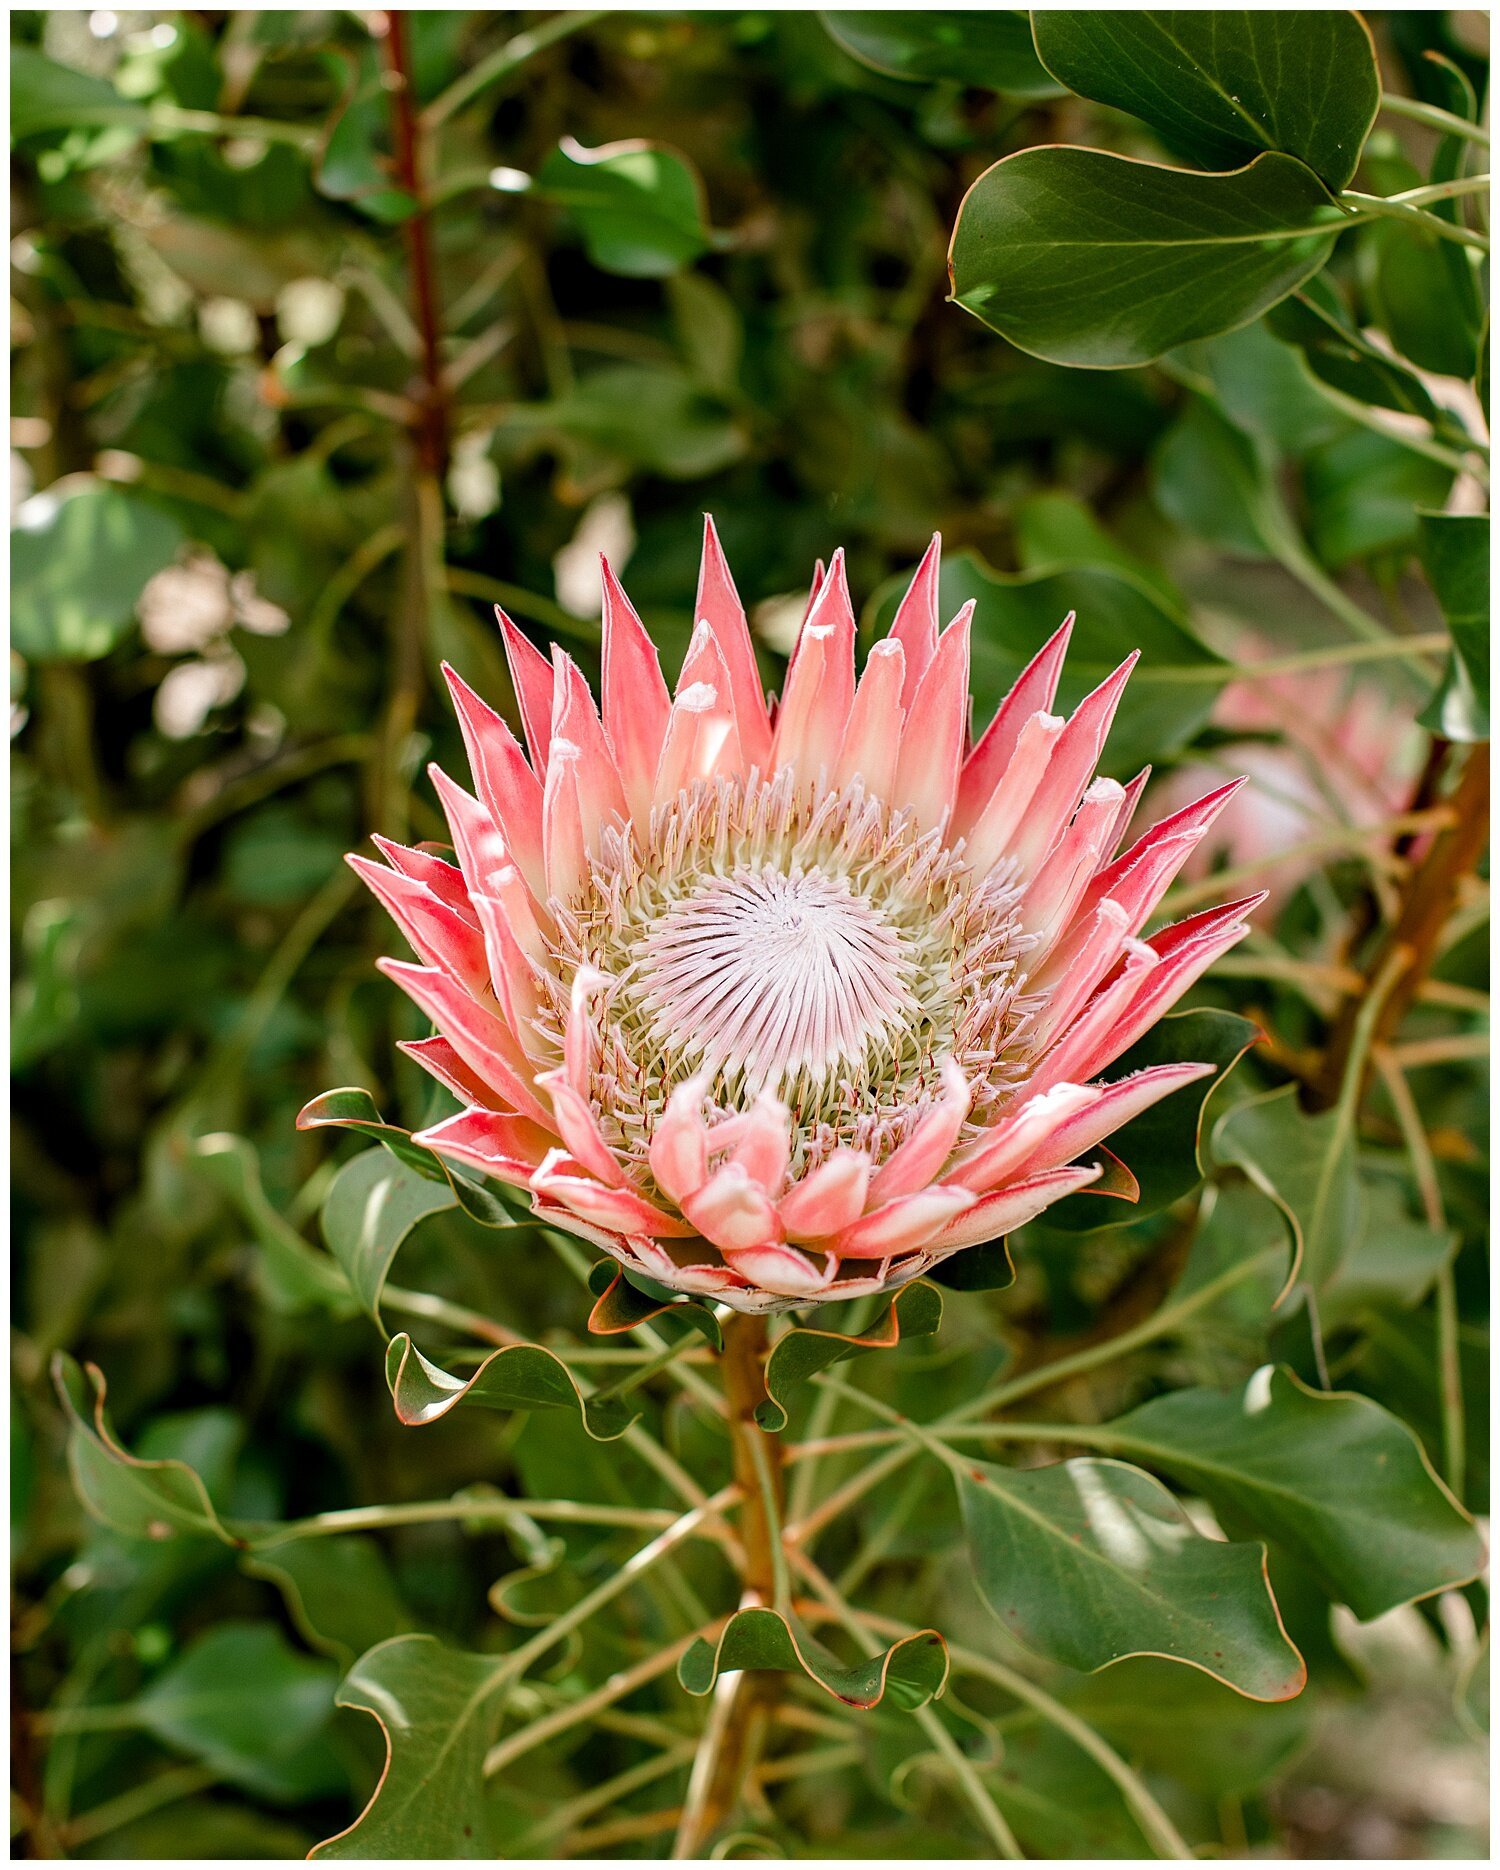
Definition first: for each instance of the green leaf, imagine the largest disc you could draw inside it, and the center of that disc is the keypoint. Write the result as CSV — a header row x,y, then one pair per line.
x,y
141,1499
1362,493
1455,551
1265,387
249,1706
638,206
1116,612
1188,1727
914,1670
1340,1483
339,1592
1089,1561
350,1108
77,567
1082,257
1341,356
1162,1147
621,1306
1219,484
1222,87
1304,1160
1392,1264
294,1276
354,166
1058,530
799,1354
521,1376
372,1205
46,95
989,49
437,1708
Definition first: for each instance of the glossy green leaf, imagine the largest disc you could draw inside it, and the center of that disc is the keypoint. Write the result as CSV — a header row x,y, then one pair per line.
x,y
437,1708
1115,613
1162,1146
799,1354
1304,1160
913,1671
639,207
621,1306
77,567
1339,1482
521,1376
991,49
141,1499
1221,87
1087,258
372,1205
250,1707
1089,1561
1456,557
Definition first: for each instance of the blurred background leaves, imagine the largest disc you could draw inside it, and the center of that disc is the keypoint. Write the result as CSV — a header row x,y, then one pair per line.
x,y
311,369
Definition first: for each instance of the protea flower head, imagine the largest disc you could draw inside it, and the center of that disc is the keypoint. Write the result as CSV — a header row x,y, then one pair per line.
x,y
784,1003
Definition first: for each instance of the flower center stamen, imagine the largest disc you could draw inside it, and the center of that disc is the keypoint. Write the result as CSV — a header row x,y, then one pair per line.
x,y
784,975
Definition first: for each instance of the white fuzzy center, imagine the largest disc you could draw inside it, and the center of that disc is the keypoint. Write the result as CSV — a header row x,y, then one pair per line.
x,y
784,976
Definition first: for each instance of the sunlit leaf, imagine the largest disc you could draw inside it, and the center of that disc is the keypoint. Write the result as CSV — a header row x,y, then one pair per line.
x,y
77,567
437,1708
638,206
1336,1479
1089,1561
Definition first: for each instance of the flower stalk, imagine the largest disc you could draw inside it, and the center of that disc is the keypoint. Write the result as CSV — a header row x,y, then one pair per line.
x,y
744,1702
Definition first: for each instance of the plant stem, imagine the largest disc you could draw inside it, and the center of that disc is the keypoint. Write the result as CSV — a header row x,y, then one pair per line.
x,y
502,62
1433,118
1160,1832
1400,648
431,427
429,1512
991,1819
1390,208
744,1702
1427,900
1442,191
618,1685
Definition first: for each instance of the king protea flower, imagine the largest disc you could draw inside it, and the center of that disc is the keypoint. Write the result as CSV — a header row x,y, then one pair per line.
x,y
779,1003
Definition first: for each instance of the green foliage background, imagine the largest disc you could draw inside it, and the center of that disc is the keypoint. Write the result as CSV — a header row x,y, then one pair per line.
x,y
220,369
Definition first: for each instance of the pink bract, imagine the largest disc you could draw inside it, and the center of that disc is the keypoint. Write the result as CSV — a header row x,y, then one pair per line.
x,y
785,1003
